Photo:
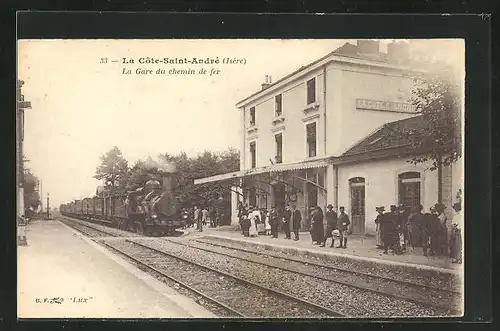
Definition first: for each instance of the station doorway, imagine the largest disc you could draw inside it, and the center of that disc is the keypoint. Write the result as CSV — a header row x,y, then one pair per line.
x,y
279,196
357,187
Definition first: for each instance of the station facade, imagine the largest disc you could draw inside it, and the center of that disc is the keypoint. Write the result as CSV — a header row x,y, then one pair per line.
x,y
332,132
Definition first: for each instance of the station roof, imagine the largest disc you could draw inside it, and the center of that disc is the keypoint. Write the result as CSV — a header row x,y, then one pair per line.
x,y
397,134
394,138
280,167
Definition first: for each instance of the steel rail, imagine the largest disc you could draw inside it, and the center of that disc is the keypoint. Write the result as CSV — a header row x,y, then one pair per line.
x,y
82,223
403,282
360,287
275,292
188,287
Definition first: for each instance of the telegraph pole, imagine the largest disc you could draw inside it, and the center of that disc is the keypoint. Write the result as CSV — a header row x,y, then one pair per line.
x,y
48,206
21,106
41,199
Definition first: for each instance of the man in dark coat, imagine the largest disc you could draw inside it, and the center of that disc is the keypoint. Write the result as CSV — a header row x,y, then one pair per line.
x,y
286,217
444,228
390,225
317,230
245,225
331,224
344,223
430,232
415,223
274,222
296,219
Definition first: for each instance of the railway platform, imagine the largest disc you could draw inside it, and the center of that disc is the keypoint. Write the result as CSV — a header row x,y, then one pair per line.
x,y
63,274
358,248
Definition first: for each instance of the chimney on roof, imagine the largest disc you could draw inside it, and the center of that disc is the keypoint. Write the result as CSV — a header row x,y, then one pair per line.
x,y
398,50
367,46
266,83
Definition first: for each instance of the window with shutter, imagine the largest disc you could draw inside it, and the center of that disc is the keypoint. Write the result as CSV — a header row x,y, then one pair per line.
x,y
311,91
311,139
279,105
253,154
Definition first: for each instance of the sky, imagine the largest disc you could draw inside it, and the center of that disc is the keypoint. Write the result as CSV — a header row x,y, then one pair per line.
x,y
81,108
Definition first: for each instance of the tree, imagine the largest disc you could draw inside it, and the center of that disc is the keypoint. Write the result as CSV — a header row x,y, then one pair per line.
x,y
31,195
204,165
438,97
113,170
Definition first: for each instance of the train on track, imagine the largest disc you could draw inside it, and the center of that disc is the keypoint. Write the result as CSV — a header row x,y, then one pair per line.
x,y
150,210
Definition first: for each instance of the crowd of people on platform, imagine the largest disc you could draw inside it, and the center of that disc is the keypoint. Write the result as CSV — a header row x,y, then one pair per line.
x,y
397,230
254,221
402,228
204,216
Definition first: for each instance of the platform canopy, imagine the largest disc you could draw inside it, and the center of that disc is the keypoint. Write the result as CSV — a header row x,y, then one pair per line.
x,y
280,167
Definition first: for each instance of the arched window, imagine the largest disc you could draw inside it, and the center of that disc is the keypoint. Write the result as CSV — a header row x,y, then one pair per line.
x,y
409,184
357,193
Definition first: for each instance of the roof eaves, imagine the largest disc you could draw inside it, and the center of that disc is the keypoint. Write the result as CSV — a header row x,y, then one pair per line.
x,y
335,57
302,68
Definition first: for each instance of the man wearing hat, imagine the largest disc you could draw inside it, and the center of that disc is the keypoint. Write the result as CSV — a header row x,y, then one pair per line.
x,y
379,221
435,230
274,221
331,224
286,217
456,235
296,219
444,233
344,223
390,225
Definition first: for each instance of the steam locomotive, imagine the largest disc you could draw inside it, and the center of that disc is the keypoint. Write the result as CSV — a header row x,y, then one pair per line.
x,y
150,210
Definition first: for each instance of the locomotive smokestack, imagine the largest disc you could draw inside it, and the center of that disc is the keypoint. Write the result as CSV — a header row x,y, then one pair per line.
x,y
167,182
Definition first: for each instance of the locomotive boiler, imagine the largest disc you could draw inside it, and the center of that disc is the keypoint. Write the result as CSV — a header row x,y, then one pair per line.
x,y
153,208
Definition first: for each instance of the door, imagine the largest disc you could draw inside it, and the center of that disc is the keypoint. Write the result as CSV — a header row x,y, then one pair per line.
x,y
409,189
279,196
357,186
312,201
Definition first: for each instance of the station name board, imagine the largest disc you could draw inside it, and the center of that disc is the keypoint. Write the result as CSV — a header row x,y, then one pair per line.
x,y
400,107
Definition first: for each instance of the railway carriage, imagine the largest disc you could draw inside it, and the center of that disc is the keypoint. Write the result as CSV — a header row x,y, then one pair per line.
x,y
98,208
88,208
79,208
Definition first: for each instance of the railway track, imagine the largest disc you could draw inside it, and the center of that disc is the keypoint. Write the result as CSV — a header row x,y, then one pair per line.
x,y
235,296
96,230
400,289
420,281
350,300
241,297
85,229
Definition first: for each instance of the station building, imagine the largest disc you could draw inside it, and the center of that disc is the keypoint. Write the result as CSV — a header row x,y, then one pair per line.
x,y
333,132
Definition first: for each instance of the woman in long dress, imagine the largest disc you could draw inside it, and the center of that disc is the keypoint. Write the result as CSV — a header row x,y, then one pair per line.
x,y
378,222
253,227
267,224
317,226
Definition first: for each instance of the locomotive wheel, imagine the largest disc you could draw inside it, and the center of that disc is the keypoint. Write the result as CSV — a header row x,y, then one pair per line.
x,y
142,230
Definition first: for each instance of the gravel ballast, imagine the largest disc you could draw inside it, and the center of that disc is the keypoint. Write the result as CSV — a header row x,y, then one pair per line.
x,y
342,298
249,300
440,280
